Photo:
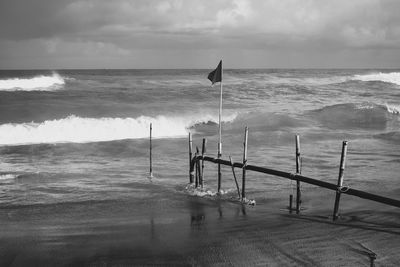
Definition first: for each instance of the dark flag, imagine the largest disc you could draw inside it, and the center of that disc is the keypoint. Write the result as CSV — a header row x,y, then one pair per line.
x,y
216,75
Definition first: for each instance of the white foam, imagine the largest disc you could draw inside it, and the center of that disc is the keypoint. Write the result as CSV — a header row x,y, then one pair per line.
x,y
38,83
82,130
392,77
8,176
205,192
394,109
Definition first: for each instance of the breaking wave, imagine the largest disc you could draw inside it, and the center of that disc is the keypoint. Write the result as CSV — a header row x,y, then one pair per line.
x,y
392,77
8,176
38,83
356,115
83,130
394,109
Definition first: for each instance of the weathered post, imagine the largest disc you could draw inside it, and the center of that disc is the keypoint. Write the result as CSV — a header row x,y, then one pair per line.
x,y
151,160
196,177
203,151
190,158
340,180
290,203
298,171
234,176
200,176
246,132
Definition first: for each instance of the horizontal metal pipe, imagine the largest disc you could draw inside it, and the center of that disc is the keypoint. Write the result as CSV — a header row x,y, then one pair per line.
x,y
296,177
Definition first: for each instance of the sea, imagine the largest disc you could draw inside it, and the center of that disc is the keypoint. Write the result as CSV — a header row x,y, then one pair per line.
x,y
80,138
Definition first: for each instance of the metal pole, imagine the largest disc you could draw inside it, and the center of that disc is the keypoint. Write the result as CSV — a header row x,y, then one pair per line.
x,y
220,134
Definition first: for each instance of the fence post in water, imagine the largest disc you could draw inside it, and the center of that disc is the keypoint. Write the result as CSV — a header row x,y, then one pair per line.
x,y
200,175
203,151
190,158
196,180
298,171
151,162
246,132
340,180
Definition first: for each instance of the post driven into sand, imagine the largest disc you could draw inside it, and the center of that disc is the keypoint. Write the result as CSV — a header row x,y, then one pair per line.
x,y
191,174
246,132
298,171
340,181
151,147
203,151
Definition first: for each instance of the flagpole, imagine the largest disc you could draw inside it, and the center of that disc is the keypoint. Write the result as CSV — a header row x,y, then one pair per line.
x,y
220,135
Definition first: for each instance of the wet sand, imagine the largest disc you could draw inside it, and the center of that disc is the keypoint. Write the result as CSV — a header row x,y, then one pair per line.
x,y
183,230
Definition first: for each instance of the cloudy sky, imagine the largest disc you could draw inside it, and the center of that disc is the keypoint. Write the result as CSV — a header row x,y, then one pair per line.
x,y
196,34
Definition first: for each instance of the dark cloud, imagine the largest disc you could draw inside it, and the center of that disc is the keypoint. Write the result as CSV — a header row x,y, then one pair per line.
x,y
295,32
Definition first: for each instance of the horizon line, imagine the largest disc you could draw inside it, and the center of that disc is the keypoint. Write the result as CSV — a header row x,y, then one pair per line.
x,y
244,68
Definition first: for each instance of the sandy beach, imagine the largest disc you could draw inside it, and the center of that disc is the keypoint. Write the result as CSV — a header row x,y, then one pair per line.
x,y
196,231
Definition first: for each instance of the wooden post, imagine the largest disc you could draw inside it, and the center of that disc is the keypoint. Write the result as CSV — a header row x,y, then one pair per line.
x,y
246,132
200,175
290,203
151,162
196,183
203,151
234,176
372,258
298,171
190,159
340,180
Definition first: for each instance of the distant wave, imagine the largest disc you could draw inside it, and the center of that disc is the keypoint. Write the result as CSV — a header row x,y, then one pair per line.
x,y
82,130
38,83
392,77
8,176
356,115
308,80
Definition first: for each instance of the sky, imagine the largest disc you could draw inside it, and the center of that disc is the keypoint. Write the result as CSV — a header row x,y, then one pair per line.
x,y
105,34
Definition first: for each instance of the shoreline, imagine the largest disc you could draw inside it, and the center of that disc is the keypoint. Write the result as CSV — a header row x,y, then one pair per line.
x,y
193,231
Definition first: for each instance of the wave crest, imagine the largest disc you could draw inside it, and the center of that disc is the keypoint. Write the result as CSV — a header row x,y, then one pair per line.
x,y
392,77
8,176
393,109
354,115
38,83
83,130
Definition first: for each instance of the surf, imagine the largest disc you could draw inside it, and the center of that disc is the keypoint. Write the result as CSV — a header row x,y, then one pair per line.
x,y
37,83
391,77
74,129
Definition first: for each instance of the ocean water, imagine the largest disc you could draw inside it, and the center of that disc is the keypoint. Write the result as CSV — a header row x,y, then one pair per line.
x,y
71,136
